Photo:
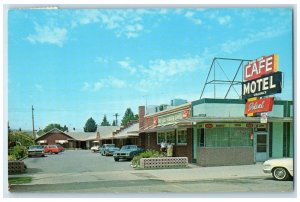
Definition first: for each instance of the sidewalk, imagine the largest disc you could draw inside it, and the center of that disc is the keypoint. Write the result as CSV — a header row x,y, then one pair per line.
x,y
196,173
193,173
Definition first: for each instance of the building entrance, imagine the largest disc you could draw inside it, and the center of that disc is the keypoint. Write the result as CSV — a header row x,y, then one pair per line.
x,y
261,146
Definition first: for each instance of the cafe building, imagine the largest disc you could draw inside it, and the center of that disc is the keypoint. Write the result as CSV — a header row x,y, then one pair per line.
x,y
223,135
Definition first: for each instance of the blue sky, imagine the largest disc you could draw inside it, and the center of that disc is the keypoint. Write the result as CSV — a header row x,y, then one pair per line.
x,y
75,64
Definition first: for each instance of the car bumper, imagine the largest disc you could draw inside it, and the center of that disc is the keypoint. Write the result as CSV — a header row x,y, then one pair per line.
x,y
267,169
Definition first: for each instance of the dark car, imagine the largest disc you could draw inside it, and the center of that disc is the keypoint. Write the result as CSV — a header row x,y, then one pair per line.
x,y
108,149
35,150
127,152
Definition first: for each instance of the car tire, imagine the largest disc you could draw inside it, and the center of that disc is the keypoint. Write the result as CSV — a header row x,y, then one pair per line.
x,y
29,156
280,174
116,159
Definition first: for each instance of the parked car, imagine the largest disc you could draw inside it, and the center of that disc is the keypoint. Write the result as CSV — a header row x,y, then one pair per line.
x,y
60,148
109,150
35,150
105,147
95,148
281,168
51,149
127,152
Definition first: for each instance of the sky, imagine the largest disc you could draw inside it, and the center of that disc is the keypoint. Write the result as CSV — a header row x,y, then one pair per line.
x,y
75,64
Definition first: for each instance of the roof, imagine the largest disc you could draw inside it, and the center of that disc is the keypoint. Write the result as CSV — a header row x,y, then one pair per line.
x,y
54,130
174,109
131,131
106,132
82,135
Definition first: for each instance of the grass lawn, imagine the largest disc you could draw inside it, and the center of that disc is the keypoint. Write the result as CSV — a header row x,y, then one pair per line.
x,y
19,180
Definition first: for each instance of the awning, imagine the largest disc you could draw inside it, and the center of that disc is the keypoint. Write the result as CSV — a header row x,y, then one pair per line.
x,y
233,119
167,128
61,141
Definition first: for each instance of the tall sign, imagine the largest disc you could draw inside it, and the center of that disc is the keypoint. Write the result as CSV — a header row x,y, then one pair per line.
x,y
262,78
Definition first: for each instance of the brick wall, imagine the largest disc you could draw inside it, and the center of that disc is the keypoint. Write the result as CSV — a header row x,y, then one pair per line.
x,y
225,156
150,142
141,116
51,137
185,150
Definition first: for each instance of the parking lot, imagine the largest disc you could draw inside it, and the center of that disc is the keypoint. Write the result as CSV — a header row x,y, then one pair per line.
x,y
74,161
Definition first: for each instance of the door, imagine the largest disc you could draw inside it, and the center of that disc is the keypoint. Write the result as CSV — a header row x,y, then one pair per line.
x,y
261,147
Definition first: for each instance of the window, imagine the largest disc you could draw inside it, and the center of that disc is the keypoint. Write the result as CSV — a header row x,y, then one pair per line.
x,y
227,137
166,137
181,137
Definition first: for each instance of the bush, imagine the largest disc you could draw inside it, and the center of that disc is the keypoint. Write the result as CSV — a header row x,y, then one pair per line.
x,y
146,154
18,152
12,157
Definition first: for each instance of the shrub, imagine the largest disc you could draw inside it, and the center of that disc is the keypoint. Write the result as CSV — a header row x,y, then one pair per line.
x,y
146,154
19,152
12,157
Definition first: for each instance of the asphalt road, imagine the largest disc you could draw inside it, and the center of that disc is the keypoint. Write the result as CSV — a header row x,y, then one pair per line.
x,y
82,172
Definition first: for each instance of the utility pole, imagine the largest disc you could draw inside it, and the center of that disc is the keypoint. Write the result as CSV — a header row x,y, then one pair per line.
x,y
33,123
116,115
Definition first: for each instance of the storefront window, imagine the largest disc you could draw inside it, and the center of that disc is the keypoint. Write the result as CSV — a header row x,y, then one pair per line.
x,y
166,137
160,138
228,137
182,137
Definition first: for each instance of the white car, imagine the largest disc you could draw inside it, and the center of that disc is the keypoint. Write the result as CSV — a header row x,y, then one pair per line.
x,y
281,168
95,148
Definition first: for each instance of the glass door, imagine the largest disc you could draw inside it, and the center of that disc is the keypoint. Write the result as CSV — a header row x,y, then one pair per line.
x,y
261,147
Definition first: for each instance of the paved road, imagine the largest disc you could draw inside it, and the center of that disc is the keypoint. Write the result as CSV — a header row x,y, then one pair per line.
x,y
86,172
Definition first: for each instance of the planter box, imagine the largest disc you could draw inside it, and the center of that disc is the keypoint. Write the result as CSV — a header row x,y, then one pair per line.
x,y
16,167
164,162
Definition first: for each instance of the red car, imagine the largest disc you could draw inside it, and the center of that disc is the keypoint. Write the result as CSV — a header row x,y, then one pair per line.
x,y
51,149
61,148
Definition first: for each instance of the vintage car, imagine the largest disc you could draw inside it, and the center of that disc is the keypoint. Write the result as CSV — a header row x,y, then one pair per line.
x,y
281,168
60,148
51,149
35,150
127,152
107,149
95,148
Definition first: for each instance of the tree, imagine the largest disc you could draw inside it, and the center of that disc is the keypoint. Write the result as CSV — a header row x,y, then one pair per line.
x,y
90,125
52,126
105,122
114,123
128,116
65,128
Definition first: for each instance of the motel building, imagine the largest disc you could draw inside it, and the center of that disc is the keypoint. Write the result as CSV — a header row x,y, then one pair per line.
x,y
216,132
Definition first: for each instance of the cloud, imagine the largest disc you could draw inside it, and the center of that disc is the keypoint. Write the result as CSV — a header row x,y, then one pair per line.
x,y
236,44
86,86
159,72
39,87
224,20
126,64
48,34
103,60
190,16
108,82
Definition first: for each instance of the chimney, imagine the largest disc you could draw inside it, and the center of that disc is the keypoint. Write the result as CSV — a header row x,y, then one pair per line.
x,y
141,116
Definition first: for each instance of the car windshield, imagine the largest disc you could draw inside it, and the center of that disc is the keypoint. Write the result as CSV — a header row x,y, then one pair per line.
x,y
36,147
110,145
129,147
